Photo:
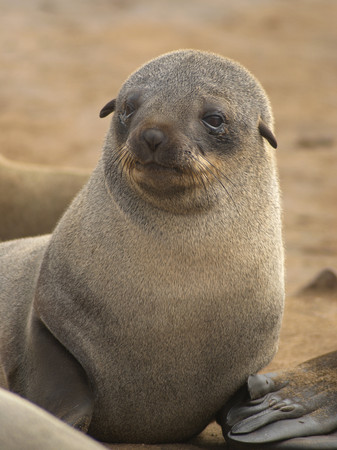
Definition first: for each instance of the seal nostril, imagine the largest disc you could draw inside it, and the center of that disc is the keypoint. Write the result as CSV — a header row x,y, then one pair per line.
x,y
153,138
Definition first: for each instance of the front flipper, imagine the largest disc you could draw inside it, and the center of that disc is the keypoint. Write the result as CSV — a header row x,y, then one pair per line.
x,y
55,380
293,409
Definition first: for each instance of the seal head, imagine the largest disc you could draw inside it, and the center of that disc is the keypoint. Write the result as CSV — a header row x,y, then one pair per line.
x,y
185,122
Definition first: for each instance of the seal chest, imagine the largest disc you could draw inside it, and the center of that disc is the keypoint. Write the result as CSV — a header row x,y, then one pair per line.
x,y
164,279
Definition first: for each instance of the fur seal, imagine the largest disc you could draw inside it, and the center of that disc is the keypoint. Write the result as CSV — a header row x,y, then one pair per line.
x,y
25,426
162,287
325,284
292,409
33,198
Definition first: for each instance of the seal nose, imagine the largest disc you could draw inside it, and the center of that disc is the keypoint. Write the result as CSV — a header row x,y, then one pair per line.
x,y
153,138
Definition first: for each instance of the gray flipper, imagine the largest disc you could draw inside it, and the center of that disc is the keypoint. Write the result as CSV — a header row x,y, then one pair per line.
x,y
292,409
56,381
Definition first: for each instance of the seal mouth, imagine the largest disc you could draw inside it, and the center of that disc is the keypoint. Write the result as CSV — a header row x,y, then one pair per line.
x,y
154,167
160,179
171,176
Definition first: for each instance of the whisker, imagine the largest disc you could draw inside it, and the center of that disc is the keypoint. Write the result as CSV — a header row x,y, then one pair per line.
x,y
204,174
124,162
202,154
205,166
130,163
217,169
194,179
205,171
204,177
120,154
127,165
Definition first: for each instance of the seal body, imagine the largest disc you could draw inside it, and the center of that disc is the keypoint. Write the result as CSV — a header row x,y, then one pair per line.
x,y
162,285
24,425
33,198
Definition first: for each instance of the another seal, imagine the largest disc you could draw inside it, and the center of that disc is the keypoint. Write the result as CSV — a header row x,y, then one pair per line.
x,y
25,426
161,289
33,198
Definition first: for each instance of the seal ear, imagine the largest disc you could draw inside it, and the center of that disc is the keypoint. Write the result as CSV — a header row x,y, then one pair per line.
x,y
108,108
266,133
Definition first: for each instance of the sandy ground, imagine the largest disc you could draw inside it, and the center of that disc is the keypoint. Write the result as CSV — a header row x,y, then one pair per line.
x,y
62,61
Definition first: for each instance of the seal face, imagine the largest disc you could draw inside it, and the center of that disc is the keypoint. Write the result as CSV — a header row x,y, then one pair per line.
x,y
161,288
178,120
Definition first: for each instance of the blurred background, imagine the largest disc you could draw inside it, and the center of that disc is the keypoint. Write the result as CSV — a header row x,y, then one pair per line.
x,y
61,61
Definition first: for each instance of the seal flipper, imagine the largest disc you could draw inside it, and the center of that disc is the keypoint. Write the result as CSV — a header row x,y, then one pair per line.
x,y
297,407
57,381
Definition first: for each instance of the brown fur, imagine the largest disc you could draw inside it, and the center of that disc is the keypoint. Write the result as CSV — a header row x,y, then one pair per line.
x,y
164,278
33,198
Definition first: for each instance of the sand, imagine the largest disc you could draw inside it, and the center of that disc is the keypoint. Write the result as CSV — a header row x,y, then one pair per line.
x,y
62,61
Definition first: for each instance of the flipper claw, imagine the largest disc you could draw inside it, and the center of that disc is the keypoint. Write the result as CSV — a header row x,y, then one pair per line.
x,y
291,410
279,411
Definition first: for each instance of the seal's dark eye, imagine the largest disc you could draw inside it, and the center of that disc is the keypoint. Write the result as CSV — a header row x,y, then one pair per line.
x,y
213,121
128,111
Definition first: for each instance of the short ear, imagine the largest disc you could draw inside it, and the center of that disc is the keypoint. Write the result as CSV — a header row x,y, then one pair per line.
x,y
108,108
266,133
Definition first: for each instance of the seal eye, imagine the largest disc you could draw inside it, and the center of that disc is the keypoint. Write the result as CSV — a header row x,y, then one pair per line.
x,y
129,109
213,121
